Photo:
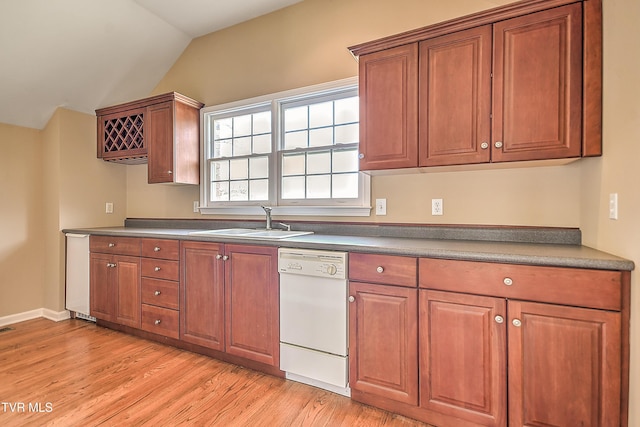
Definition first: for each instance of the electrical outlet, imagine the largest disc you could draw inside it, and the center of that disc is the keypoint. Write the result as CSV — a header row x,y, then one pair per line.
x,y
381,206
196,206
108,207
437,207
613,206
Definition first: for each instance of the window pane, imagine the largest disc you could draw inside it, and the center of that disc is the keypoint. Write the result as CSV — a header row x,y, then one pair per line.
x,y
347,110
222,128
242,125
347,134
321,115
239,190
242,146
345,186
295,118
319,163
345,161
321,137
295,140
262,144
293,187
238,169
319,187
259,167
220,170
262,122
222,148
220,191
259,189
293,164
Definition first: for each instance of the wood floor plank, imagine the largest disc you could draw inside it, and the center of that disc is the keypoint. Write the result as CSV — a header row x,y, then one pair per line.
x,y
74,373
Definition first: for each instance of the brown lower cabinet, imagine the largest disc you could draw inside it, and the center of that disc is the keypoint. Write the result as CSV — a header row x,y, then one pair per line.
x,y
229,299
497,345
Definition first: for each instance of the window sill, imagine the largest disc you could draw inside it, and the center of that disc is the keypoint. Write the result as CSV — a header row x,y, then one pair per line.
x,y
290,210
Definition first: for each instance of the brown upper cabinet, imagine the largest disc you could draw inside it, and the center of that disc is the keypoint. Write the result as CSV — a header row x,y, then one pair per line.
x,y
519,82
163,130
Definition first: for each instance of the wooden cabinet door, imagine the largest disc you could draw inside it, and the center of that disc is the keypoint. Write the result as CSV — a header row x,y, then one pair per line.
x,y
252,316
202,294
389,109
127,279
455,98
537,85
564,366
101,286
463,357
383,341
159,138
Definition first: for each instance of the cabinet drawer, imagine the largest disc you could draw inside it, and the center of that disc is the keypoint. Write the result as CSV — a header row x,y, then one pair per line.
x,y
569,286
115,245
161,248
161,321
387,269
160,269
162,293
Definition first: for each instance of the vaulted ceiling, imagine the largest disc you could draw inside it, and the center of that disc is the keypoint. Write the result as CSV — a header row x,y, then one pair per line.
x,y
87,54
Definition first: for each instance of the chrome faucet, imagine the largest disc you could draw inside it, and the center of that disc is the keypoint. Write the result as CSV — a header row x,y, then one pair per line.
x,y
267,211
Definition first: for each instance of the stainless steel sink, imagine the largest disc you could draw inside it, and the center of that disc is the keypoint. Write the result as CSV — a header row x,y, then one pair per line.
x,y
249,233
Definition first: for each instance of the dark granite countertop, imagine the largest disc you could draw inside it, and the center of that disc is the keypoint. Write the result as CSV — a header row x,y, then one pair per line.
x,y
518,245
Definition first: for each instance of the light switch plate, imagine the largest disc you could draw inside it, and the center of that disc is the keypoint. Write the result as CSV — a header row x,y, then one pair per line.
x,y
108,207
381,206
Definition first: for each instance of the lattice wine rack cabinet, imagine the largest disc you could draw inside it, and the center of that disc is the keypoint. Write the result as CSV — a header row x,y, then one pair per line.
x,y
162,131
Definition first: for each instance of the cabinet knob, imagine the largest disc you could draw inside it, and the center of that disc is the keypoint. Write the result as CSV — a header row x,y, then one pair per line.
x,y
111,264
157,269
157,322
499,319
484,145
156,249
361,156
218,256
508,281
170,172
226,257
352,298
111,245
156,293
380,269
517,323
498,144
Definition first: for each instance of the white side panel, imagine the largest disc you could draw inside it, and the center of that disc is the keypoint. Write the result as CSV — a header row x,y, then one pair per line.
x,y
327,368
77,292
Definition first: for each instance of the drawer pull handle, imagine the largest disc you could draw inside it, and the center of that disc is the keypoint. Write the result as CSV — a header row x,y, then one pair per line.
x,y
508,281
156,293
157,322
517,323
380,269
111,245
499,319
157,269
352,298
156,249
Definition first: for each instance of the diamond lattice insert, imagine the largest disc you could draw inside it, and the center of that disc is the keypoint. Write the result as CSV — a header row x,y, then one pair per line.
x,y
123,133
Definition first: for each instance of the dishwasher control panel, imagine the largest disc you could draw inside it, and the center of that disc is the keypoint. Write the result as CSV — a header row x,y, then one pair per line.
x,y
309,262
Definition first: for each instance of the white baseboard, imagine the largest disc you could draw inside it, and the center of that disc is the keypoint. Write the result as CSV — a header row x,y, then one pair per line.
x,y
56,316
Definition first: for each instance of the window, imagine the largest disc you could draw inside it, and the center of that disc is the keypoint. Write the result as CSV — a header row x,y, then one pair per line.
x,y
295,151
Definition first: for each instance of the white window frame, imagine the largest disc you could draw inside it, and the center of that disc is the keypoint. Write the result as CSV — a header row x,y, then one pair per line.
x,y
335,207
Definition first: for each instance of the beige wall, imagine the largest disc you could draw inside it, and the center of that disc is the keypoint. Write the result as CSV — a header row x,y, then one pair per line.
x,y
21,220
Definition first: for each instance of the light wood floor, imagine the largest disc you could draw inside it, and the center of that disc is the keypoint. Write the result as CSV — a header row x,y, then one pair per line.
x,y
74,373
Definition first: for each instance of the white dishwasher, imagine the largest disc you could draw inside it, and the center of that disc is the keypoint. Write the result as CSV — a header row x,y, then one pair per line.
x,y
313,318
